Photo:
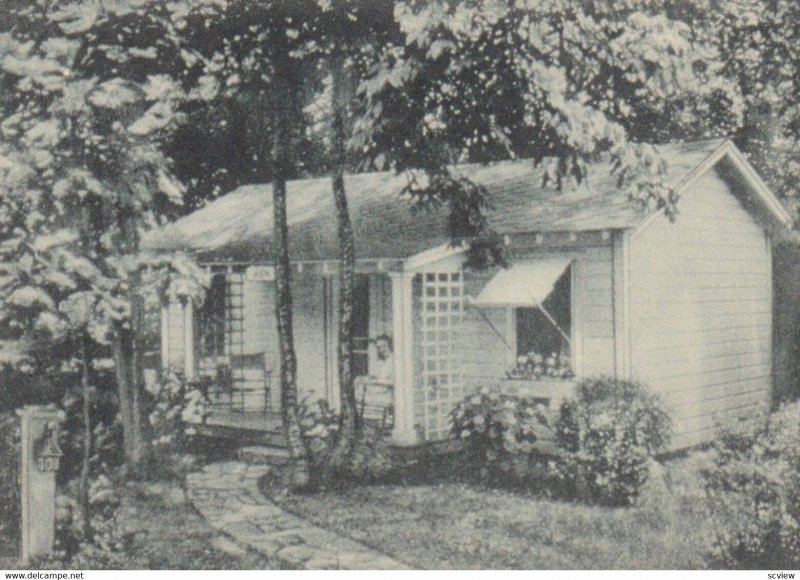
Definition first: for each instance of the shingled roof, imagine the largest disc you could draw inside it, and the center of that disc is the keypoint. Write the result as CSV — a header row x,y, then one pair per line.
x,y
238,226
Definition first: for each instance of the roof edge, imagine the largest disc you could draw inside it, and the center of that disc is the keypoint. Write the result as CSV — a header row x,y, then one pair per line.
x,y
729,149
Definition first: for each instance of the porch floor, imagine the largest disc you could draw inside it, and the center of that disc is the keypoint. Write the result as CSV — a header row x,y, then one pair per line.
x,y
269,421
244,428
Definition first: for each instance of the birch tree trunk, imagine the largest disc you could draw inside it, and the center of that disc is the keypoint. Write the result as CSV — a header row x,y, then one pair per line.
x,y
350,424
283,95
87,441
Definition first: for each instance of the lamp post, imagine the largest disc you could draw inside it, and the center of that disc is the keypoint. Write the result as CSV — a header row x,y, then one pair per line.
x,y
40,460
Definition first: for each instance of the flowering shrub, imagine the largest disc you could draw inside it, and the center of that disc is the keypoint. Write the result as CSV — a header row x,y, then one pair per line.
x,y
534,366
176,408
106,428
320,426
368,459
753,484
104,543
609,434
499,432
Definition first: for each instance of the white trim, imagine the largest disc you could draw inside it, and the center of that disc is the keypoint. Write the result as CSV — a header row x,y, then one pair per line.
x,y
418,261
684,184
403,335
511,336
770,311
188,338
576,317
746,170
759,187
620,305
164,336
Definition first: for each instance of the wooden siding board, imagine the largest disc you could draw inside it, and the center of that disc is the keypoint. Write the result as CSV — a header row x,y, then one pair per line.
x,y
594,295
700,309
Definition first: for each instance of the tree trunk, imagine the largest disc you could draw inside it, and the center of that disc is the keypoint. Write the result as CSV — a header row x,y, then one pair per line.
x,y
126,355
87,442
283,95
127,352
350,418
120,343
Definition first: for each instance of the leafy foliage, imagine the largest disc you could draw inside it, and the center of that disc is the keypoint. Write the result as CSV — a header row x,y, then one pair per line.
x,y
499,433
10,515
753,484
177,407
562,83
757,44
368,458
608,435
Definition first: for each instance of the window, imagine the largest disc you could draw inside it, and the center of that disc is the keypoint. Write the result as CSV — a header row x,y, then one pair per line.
x,y
537,332
212,318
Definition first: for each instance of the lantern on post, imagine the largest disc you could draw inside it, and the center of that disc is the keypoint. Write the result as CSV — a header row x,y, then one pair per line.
x,y
40,459
46,450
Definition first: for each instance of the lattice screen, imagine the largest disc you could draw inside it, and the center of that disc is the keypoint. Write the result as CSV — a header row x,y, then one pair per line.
x,y
442,381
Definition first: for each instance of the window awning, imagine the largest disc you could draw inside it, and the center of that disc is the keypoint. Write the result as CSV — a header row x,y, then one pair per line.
x,y
525,283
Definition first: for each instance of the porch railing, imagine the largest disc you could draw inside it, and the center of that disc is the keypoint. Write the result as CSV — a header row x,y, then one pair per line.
x,y
238,382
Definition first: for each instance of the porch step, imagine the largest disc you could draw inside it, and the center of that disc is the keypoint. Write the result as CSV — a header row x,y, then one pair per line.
x,y
262,454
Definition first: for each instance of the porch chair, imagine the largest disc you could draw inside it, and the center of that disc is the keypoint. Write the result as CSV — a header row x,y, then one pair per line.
x,y
376,403
246,370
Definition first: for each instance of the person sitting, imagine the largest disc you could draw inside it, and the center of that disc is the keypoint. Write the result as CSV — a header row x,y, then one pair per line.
x,y
375,389
382,371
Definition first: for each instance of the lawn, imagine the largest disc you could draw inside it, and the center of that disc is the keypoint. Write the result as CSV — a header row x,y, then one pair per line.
x,y
175,537
463,526
169,534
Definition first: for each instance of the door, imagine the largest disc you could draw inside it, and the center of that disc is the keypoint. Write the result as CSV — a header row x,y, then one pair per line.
x,y
361,327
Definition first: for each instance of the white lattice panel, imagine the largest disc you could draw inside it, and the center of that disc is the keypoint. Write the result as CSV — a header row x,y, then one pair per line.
x,y
442,326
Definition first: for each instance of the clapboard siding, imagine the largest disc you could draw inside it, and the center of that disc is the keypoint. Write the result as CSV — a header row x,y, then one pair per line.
x,y
485,353
700,311
488,344
593,298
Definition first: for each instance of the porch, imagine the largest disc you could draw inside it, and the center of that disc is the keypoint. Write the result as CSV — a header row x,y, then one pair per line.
x,y
446,332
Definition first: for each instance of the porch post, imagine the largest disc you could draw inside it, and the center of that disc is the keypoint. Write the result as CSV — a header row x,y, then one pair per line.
x,y
188,337
403,334
165,335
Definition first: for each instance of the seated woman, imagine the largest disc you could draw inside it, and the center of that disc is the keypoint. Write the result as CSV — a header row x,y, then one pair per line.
x,y
383,370
375,389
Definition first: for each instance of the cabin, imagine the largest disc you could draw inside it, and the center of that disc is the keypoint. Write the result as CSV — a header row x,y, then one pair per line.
x,y
597,285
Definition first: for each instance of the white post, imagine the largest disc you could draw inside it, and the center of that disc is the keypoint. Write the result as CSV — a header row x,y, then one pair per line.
x,y
164,336
403,335
620,242
39,463
188,338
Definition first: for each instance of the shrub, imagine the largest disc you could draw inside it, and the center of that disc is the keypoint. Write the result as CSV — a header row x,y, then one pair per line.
x,y
753,485
608,435
9,480
367,460
499,432
104,543
176,407
106,434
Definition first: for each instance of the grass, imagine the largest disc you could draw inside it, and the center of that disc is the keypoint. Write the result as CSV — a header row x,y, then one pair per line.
x,y
175,537
165,536
458,525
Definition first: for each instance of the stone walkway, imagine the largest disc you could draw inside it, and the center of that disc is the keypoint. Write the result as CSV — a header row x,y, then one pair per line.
x,y
227,495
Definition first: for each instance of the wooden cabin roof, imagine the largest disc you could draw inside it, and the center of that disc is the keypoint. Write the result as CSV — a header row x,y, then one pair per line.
x,y
238,226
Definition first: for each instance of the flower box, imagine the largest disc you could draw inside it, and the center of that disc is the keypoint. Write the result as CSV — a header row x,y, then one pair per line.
x,y
549,391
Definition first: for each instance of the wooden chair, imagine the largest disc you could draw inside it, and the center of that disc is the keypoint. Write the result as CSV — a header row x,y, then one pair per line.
x,y
240,364
376,402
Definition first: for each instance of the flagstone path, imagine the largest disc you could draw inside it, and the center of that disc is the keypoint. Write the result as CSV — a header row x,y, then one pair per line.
x,y
227,495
